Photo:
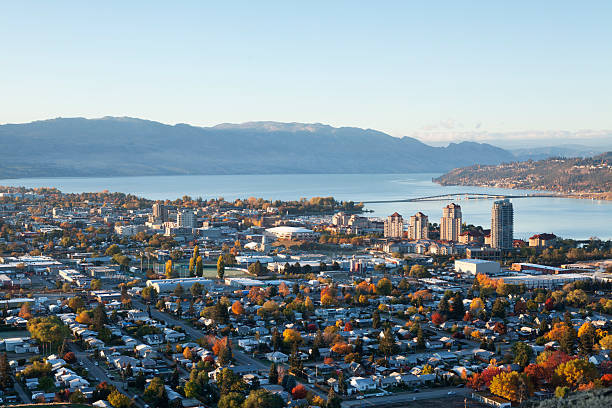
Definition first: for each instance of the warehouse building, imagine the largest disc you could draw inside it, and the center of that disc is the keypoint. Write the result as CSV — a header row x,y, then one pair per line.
x,y
476,266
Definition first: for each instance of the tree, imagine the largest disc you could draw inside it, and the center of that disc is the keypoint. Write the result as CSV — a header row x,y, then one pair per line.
x,y
283,289
295,363
191,267
507,385
522,353
237,308
141,381
457,309
387,344
48,329
77,397
112,250
99,317
228,381
561,392
149,293
6,378
96,284
70,358
231,400
196,289
577,298
499,308
192,389
119,400
155,394
333,401
299,392
420,345
168,269
199,266
576,372
437,318
256,269
76,303
375,319
588,337
273,374
263,399
220,267
606,342
568,340
443,306
26,311
83,317
419,271
292,336
384,287
178,291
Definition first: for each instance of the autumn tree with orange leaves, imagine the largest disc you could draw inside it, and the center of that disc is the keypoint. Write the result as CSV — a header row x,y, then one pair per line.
x,y
237,308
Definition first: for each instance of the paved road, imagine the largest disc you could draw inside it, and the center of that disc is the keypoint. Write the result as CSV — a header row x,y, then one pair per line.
x,y
406,397
24,395
98,373
239,356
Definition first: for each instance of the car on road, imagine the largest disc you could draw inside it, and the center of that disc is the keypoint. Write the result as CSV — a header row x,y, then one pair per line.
x,y
360,397
451,393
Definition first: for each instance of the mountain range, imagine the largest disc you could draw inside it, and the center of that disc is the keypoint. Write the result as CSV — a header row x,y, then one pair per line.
x,y
121,146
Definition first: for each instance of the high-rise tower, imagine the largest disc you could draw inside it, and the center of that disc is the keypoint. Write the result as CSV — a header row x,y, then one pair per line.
x,y
450,225
419,227
394,226
502,224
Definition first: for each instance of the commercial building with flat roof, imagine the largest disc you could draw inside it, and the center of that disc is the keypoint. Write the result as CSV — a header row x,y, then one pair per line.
x,y
168,285
476,266
546,281
286,232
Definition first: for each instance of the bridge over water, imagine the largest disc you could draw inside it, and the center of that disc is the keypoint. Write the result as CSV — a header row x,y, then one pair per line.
x,y
461,196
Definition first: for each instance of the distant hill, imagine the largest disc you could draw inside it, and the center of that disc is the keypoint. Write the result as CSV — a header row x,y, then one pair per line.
x,y
581,177
114,146
562,150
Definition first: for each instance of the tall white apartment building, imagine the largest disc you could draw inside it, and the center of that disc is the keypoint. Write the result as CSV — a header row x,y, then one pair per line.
x,y
418,227
450,225
394,226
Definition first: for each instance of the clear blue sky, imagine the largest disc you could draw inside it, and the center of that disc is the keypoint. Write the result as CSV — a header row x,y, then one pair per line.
x,y
398,67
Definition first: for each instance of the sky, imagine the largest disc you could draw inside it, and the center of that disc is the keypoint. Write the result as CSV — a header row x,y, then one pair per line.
x,y
437,70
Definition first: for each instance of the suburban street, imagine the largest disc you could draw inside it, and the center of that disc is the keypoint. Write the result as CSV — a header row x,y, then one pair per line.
x,y
240,357
97,372
25,396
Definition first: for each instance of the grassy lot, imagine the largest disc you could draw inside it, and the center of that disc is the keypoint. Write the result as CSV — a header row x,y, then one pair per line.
x,y
211,273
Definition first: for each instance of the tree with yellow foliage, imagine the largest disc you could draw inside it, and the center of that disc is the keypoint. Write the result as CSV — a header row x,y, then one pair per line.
x,y
292,336
575,372
187,353
308,304
476,306
606,342
83,317
510,385
168,269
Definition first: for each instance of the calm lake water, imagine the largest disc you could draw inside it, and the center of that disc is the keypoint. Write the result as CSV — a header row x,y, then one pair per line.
x,y
572,218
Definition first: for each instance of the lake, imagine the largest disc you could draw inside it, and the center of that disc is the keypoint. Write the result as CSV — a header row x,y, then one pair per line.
x,y
566,217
